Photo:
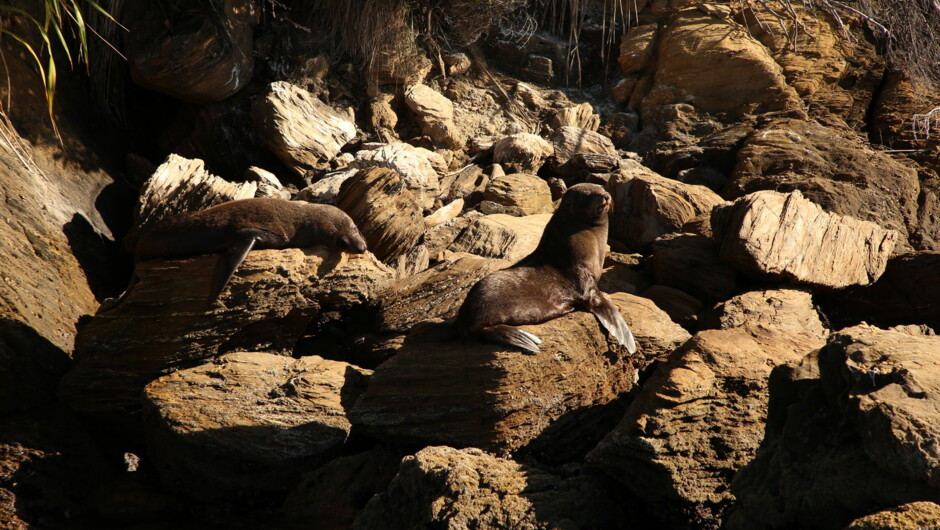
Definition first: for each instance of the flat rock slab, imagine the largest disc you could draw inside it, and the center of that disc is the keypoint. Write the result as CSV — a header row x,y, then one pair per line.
x,y
163,323
248,422
787,237
502,236
468,393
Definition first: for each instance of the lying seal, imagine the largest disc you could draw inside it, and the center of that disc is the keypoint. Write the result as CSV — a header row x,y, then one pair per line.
x,y
234,228
559,276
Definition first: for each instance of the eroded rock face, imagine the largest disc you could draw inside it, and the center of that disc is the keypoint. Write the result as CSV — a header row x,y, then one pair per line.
x,y
451,488
522,152
690,262
435,115
909,516
572,141
412,166
502,236
700,417
517,194
248,422
849,429
787,237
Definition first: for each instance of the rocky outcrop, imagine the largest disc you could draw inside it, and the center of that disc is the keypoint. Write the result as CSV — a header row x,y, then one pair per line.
x,y
502,236
569,142
787,237
248,423
690,262
911,516
522,152
637,48
517,194
412,166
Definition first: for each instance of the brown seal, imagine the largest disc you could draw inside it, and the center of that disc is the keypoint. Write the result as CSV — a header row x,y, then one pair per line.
x,y
559,276
234,228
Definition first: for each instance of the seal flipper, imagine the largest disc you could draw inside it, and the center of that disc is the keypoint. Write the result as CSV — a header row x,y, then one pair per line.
x,y
228,262
505,334
609,317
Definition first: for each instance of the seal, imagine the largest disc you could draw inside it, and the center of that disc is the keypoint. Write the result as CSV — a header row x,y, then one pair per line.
x,y
233,228
558,277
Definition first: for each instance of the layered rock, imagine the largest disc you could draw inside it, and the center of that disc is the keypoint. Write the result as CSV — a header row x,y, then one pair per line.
x,y
517,194
248,422
690,262
502,236
911,516
435,114
522,152
412,165
572,141
787,237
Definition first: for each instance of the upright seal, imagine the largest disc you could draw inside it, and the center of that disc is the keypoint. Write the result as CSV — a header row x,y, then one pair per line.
x,y
559,276
234,228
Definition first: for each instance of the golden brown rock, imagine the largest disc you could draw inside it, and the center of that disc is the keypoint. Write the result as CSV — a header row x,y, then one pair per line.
x,y
502,236
517,194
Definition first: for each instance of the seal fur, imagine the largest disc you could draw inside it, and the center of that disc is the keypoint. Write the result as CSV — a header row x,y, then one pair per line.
x,y
558,277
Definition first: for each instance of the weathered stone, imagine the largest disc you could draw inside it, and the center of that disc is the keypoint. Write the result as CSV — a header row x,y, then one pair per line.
x,y
623,273
502,236
435,115
900,119
163,324
467,184
911,516
571,141
581,116
637,47
382,116
326,188
690,262
517,194
700,418
457,63
248,422
268,184
384,210
678,304
397,63
466,393
444,214
412,165
620,93
522,152
439,238
442,487
785,236
647,205
302,131
199,63
783,310
851,428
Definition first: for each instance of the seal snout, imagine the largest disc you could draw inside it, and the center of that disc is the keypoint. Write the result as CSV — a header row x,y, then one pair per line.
x,y
351,242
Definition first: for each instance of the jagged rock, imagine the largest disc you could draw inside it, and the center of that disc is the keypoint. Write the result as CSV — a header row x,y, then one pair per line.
x,y
636,48
850,429
163,322
442,487
466,393
302,131
787,237
248,422
581,116
700,418
444,214
457,63
326,188
412,165
834,169
571,141
784,310
911,516
199,63
502,236
434,293
439,238
467,184
690,262
268,184
382,116
647,205
623,273
522,152
384,210
330,497
678,304
900,115
517,194
435,115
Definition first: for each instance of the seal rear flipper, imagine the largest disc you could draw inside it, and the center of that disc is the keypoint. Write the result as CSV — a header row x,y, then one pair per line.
x,y
228,262
511,335
609,317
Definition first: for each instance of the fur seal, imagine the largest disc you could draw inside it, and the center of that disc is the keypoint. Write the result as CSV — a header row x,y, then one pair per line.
x,y
559,276
234,228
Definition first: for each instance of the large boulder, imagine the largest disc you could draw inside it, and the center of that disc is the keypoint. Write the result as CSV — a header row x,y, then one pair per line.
x,y
517,194
637,48
690,262
572,141
910,516
522,152
435,115
412,165
502,236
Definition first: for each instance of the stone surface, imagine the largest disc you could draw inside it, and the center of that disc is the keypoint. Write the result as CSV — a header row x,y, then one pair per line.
x,y
442,487
700,418
502,236
571,141
267,182
435,115
468,393
911,516
325,189
637,48
517,194
581,116
522,152
783,310
678,304
787,237
444,214
850,429
412,165
467,184
384,210
248,422
302,131
648,205
163,323
690,262
900,119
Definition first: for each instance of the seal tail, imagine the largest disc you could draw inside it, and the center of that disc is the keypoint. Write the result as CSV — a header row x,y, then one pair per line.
x,y
505,334
611,319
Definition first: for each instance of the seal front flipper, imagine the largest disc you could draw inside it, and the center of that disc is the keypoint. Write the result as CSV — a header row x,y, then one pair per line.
x,y
609,317
505,334
228,262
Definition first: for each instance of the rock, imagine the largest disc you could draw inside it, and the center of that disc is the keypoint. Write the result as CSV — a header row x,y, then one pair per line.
x,y
911,516
396,63
163,324
457,63
581,116
850,429
331,496
325,189
571,141
636,48
439,238
434,293
502,236
444,214
384,210
435,115
623,273
302,131
198,63
248,423
620,93
651,326
690,262
700,418
382,117
268,184
442,487
413,262
783,310
787,237
467,393
412,165
900,115
467,184
517,194
522,152
679,305
647,205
